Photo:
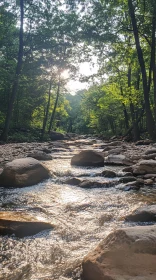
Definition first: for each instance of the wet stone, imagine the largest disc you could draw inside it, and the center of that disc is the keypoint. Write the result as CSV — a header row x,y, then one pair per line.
x,y
72,181
88,158
143,214
108,173
21,224
90,184
127,179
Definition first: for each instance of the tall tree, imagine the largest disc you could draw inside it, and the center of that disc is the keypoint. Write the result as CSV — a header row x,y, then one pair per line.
x,y
17,76
149,117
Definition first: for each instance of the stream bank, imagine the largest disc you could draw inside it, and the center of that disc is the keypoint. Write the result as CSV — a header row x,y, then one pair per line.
x,y
81,217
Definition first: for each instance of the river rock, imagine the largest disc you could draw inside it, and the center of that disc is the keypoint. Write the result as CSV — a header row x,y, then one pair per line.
x,y
143,214
88,158
150,151
117,160
21,224
149,156
39,155
128,169
143,142
73,181
127,253
144,166
86,184
108,173
148,182
149,176
127,179
54,136
23,172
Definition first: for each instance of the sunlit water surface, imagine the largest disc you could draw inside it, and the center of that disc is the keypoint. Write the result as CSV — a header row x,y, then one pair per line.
x,y
81,218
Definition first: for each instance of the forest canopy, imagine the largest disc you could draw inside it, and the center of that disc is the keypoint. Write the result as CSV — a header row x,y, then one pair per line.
x,y
42,45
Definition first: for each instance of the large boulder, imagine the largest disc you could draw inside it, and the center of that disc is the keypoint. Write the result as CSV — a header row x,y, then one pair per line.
x,y
88,158
144,167
23,172
54,136
21,224
143,214
127,253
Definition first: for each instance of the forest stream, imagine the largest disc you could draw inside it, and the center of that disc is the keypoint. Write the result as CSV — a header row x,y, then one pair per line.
x,y
81,219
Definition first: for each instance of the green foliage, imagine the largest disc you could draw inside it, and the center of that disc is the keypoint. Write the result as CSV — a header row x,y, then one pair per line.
x,y
57,36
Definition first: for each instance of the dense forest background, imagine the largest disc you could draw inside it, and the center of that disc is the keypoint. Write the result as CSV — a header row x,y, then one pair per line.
x,y
42,44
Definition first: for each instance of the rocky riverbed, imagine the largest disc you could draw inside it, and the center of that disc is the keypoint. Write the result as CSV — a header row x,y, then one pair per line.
x,y
81,204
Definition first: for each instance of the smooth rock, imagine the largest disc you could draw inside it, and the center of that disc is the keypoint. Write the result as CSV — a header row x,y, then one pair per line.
x,y
145,166
73,181
88,158
149,176
149,156
125,254
117,160
21,224
90,184
127,179
150,151
108,174
143,214
54,136
148,182
23,172
128,169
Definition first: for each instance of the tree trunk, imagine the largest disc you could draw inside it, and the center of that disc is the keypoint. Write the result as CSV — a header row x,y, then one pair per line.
x,y
55,106
136,134
153,60
4,135
125,116
47,111
149,116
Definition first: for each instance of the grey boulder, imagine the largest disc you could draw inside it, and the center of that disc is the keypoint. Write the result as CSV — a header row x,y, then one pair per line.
x,y
23,172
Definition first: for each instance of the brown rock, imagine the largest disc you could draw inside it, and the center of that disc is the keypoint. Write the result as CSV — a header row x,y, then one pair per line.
x,y
108,173
150,151
118,160
54,136
128,253
21,224
88,158
73,181
23,172
150,156
127,179
148,182
90,184
144,167
143,214
149,176
128,169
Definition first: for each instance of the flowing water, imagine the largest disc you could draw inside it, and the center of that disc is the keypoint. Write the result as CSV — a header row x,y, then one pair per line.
x,y
81,218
